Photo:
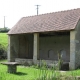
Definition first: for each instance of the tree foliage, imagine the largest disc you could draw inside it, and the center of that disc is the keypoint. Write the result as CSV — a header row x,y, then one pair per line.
x,y
3,30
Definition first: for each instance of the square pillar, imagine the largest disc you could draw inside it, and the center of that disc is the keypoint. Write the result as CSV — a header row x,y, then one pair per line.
x,y
36,47
72,50
11,51
9,44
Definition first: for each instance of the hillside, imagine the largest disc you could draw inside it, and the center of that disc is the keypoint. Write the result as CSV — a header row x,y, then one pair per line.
x,y
4,40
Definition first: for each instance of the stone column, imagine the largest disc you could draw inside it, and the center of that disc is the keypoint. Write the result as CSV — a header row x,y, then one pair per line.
x,y
36,47
8,53
72,50
11,51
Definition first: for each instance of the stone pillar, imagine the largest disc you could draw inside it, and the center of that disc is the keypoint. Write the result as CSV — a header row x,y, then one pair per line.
x,y
72,50
11,51
9,43
12,68
36,47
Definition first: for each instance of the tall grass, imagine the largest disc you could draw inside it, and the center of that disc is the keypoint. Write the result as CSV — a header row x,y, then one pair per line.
x,y
46,73
55,73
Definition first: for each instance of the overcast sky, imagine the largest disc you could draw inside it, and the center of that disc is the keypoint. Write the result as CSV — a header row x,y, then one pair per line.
x,y
13,10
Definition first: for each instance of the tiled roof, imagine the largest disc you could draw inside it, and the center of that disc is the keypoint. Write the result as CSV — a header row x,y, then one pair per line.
x,y
56,21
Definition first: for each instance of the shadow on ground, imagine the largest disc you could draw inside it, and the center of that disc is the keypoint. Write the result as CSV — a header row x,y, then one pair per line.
x,y
20,73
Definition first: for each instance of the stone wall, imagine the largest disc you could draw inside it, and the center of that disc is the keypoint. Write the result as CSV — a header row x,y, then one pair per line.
x,y
51,45
24,62
28,62
26,46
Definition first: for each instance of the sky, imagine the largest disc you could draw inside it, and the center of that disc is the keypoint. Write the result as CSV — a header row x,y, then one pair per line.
x,y
14,10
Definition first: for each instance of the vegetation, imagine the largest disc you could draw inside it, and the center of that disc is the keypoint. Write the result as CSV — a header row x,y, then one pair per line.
x,y
23,73
29,73
35,73
3,40
3,30
3,44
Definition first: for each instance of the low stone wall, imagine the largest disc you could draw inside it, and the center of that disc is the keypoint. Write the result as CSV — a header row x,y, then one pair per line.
x,y
49,63
30,61
25,62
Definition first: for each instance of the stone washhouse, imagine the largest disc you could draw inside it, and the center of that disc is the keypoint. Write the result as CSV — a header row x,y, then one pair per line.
x,y
41,37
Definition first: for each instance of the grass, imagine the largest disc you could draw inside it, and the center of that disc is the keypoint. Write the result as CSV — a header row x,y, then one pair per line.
x,y
23,73
4,39
31,73
36,73
73,73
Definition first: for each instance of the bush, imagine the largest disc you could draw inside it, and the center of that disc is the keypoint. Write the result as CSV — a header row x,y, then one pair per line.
x,y
3,52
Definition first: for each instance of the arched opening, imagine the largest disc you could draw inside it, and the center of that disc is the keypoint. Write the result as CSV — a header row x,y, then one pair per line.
x,y
50,54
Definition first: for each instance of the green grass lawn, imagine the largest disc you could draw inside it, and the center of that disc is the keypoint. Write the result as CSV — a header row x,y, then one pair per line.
x,y
23,73
31,73
73,73
4,39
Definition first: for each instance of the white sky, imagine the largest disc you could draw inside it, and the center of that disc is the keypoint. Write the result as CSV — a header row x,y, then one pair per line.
x,y
15,9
